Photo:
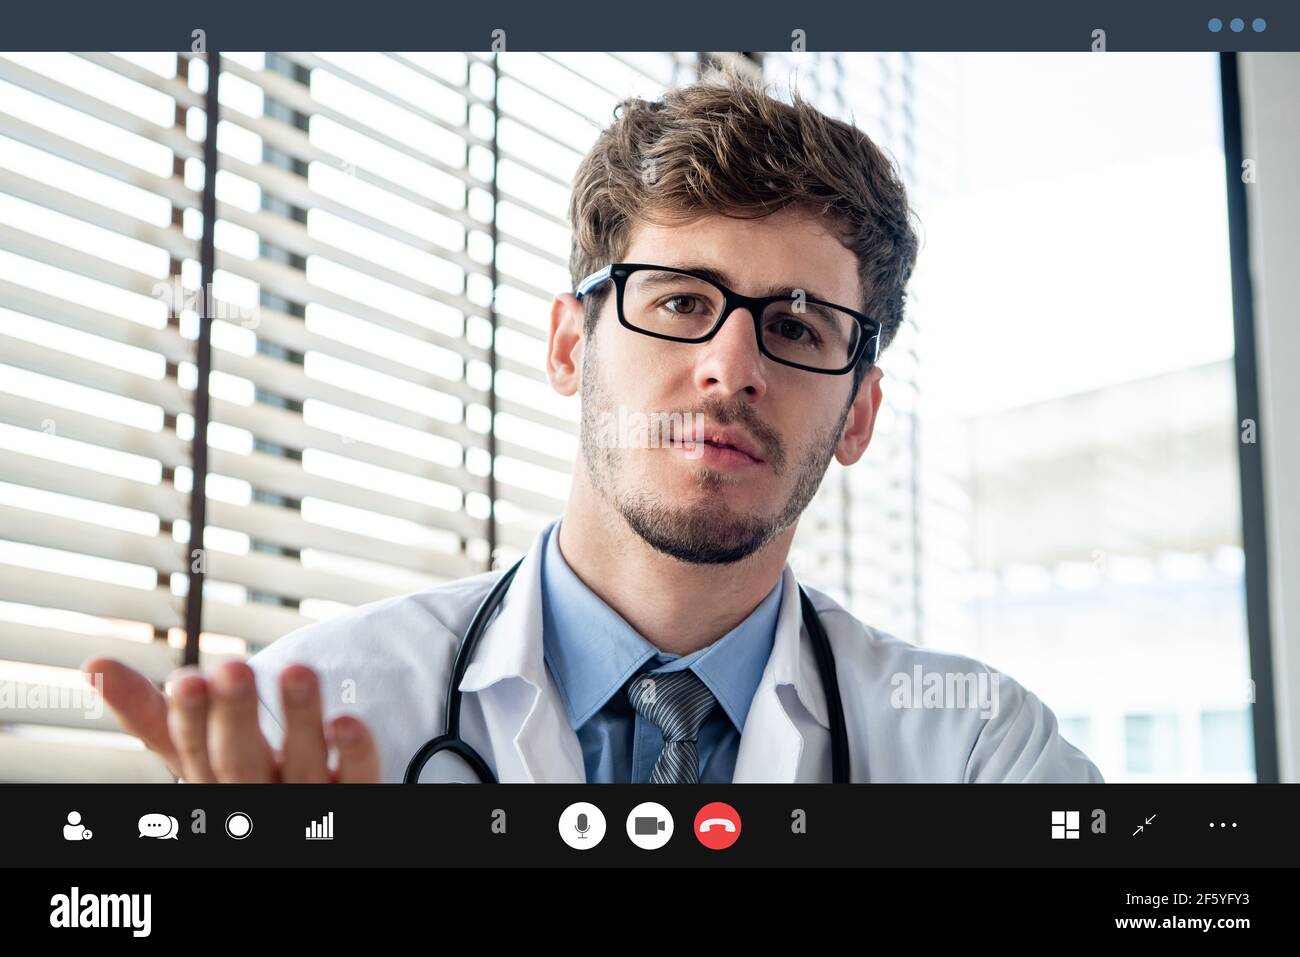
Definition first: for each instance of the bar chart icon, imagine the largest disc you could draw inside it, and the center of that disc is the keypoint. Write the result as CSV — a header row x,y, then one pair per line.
x,y
322,830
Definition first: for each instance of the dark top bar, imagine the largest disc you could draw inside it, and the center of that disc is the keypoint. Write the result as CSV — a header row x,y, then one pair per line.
x,y
939,25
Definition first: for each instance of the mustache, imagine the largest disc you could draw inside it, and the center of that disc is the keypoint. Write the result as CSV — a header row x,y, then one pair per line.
x,y
765,436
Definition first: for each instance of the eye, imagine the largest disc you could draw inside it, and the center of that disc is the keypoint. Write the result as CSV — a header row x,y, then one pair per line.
x,y
795,331
683,298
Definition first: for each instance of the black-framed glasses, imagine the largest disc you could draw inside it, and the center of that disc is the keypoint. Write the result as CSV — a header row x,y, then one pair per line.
x,y
799,331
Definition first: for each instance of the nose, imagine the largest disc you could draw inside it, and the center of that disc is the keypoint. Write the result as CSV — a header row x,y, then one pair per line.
x,y
730,362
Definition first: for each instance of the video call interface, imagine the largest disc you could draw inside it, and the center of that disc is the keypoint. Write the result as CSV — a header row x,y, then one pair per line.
x,y
903,403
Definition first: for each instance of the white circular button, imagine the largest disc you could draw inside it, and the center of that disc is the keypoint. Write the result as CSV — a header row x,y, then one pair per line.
x,y
582,826
239,825
649,826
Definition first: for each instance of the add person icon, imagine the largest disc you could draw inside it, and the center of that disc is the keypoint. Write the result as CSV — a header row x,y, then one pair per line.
x,y
73,830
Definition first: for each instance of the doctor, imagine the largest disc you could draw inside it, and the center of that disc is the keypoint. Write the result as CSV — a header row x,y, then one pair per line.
x,y
738,264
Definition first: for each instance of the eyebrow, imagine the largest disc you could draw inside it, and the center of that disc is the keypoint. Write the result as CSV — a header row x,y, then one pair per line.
x,y
718,276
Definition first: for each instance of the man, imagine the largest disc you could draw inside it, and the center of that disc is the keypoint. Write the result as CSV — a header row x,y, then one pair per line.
x,y
738,264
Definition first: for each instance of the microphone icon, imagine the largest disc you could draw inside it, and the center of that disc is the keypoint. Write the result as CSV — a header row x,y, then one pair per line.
x,y
581,826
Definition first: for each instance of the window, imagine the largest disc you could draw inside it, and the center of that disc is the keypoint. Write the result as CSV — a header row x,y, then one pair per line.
x,y
1151,744
1225,740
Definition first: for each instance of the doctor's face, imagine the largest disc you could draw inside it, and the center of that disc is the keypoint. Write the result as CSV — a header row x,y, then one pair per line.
x,y
708,503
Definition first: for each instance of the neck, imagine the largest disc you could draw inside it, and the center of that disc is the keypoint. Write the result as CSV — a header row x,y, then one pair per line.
x,y
676,606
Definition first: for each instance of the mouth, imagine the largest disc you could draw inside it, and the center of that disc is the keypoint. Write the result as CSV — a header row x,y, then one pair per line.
x,y
730,446
709,443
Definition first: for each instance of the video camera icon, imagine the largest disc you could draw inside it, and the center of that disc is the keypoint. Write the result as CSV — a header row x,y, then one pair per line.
x,y
650,826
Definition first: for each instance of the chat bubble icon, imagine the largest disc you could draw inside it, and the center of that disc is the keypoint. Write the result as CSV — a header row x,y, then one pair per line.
x,y
160,826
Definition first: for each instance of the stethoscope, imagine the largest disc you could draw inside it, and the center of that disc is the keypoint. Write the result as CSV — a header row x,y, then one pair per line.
x,y
451,741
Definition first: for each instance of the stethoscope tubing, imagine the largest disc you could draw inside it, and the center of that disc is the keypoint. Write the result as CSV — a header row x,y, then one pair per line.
x,y
450,739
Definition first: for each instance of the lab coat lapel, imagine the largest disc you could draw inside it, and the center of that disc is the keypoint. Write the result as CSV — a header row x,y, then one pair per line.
x,y
785,743
523,710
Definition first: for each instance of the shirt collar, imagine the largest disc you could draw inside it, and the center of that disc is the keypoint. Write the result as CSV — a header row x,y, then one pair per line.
x,y
592,651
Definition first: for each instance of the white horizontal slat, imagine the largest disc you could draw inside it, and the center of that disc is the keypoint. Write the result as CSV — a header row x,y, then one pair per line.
x,y
166,341
518,119
285,477
290,380
56,707
45,530
558,463
294,190
272,574
256,622
31,759
157,607
507,278
97,375
530,499
459,88
300,100
288,429
53,646
507,238
173,188
522,369
293,237
288,578
38,645
291,332
77,261
292,284
57,648
295,143
287,379
31,414
267,523
298,97
530,74
172,137
169,238
281,476
311,61
632,65
173,86
570,63
285,528
528,329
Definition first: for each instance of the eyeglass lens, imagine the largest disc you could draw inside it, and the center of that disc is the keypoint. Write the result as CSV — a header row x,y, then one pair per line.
x,y
794,330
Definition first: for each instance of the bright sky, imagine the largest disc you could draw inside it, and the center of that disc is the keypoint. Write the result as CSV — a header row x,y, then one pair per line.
x,y
1086,242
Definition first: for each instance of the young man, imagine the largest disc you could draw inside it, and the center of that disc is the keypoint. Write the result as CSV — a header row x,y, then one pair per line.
x,y
655,632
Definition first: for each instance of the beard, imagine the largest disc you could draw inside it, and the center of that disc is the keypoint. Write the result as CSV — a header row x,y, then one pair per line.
x,y
708,531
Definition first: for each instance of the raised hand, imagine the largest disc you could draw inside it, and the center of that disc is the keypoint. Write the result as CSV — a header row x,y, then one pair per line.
x,y
205,729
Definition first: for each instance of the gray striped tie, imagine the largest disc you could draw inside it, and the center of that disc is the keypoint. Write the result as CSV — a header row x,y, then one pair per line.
x,y
677,703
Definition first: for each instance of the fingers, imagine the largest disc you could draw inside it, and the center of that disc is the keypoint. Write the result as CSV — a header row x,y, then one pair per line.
x,y
188,721
138,705
358,754
304,755
236,748
207,729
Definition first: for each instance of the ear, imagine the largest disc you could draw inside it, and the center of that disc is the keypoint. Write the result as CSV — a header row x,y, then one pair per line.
x,y
564,345
861,419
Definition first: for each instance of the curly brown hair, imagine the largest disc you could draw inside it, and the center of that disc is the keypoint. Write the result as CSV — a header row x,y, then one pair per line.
x,y
723,145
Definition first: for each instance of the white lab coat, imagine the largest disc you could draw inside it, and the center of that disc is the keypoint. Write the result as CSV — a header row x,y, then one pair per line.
x,y
387,662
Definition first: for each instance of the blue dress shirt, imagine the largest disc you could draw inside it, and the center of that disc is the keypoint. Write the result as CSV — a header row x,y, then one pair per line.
x,y
592,652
